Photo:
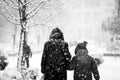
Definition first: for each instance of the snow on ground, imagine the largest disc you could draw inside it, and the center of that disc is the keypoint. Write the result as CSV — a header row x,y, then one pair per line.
x,y
109,70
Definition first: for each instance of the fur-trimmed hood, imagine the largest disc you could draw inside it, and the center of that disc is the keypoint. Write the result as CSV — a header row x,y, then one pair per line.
x,y
56,34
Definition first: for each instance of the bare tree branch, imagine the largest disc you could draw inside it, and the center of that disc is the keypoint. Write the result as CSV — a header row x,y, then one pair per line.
x,y
13,7
33,14
48,18
11,14
24,4
28,2
37,25
43,7
5,31
13,3
32,25
20,2
9,20
36,2
34,9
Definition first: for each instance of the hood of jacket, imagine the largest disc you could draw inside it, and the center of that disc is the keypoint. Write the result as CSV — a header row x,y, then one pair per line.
x,y
56,34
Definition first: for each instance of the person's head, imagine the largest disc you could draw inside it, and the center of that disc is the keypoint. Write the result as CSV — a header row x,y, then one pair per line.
x,y
80,49
56,34
25,43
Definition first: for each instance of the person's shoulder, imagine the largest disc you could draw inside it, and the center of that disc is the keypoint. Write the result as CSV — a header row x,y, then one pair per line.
x,y
48,42
65,43
74,57
28,46
91,58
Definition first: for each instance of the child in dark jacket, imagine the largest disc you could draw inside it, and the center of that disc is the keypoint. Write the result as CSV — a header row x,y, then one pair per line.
x,y
83,65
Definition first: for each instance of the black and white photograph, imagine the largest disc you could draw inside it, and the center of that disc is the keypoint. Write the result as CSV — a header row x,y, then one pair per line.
x,y
59,39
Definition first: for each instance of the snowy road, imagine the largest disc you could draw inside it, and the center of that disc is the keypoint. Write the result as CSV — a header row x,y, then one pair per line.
x,y
109,70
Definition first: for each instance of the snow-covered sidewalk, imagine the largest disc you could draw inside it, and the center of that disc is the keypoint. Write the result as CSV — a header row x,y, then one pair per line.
x,y
109,70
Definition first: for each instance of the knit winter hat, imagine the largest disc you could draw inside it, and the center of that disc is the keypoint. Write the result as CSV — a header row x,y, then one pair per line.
x,y
80,46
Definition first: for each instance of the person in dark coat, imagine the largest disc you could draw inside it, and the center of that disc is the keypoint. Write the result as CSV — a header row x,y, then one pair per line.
x,y
56,57
83,64
3,60
26,53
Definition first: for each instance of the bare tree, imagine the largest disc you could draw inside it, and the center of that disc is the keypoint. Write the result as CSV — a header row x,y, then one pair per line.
x,y
23,14
112,24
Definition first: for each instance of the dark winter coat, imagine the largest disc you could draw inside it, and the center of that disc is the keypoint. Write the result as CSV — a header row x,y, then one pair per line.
x,y
3,62
56,57
83,66
26,51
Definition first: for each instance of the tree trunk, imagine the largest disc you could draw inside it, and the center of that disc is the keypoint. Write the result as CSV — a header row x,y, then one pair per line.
x,y
23,22
23,37
118,7
20,52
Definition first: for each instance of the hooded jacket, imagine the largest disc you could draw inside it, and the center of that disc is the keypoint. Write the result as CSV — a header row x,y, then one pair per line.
x,y
56,57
